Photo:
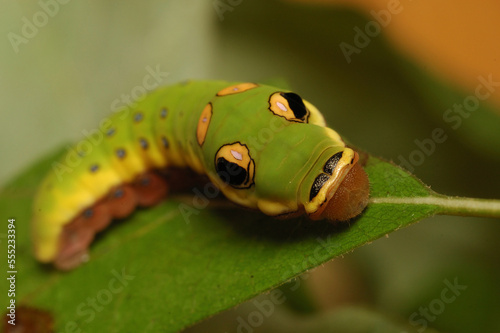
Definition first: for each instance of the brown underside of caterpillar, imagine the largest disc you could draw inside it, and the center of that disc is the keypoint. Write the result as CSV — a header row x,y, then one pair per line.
x,y
146,190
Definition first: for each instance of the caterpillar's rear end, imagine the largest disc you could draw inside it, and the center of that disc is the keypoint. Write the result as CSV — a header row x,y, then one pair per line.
x,y
120,165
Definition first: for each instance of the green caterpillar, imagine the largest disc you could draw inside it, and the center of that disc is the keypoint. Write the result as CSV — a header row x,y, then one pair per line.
x,y
212,128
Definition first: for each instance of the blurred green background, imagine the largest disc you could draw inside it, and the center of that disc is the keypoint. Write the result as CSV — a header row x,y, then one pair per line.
x,y
72,70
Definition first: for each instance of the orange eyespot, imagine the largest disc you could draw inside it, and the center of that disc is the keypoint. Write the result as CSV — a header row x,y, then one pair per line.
x,y
289,106
234,165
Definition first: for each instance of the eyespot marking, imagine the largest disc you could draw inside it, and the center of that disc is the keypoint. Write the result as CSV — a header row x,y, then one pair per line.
x,y
235,166
94,168
280,103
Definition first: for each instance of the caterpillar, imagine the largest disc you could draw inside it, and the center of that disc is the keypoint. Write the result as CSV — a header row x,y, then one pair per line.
x,y
265,148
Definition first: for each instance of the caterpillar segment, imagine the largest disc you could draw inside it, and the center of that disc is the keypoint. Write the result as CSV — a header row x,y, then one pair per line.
x,y
263,147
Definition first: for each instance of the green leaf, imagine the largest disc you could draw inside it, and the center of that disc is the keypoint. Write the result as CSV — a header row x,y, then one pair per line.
x,y
159,271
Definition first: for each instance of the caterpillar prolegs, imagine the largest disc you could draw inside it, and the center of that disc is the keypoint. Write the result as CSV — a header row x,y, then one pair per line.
x,y
265,148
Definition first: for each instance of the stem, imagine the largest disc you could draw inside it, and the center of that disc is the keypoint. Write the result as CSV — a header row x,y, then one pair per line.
x,y
450,205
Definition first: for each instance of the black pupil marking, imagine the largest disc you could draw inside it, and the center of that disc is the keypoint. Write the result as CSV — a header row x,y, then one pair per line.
x,y
144,181
138,117
118,193
163,113
332,163
318,184
120,153
88,213
94,168
110,132
230,173
143,143
296,104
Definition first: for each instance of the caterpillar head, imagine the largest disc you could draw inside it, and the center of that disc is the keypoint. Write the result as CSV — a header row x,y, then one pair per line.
x,y
275,153
327,182
340,192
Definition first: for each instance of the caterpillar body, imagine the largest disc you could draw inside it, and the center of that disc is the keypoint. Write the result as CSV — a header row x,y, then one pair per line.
x,y
265,148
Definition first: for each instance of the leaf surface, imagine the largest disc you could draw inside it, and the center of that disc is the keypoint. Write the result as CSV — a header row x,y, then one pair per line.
x,y
158,270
